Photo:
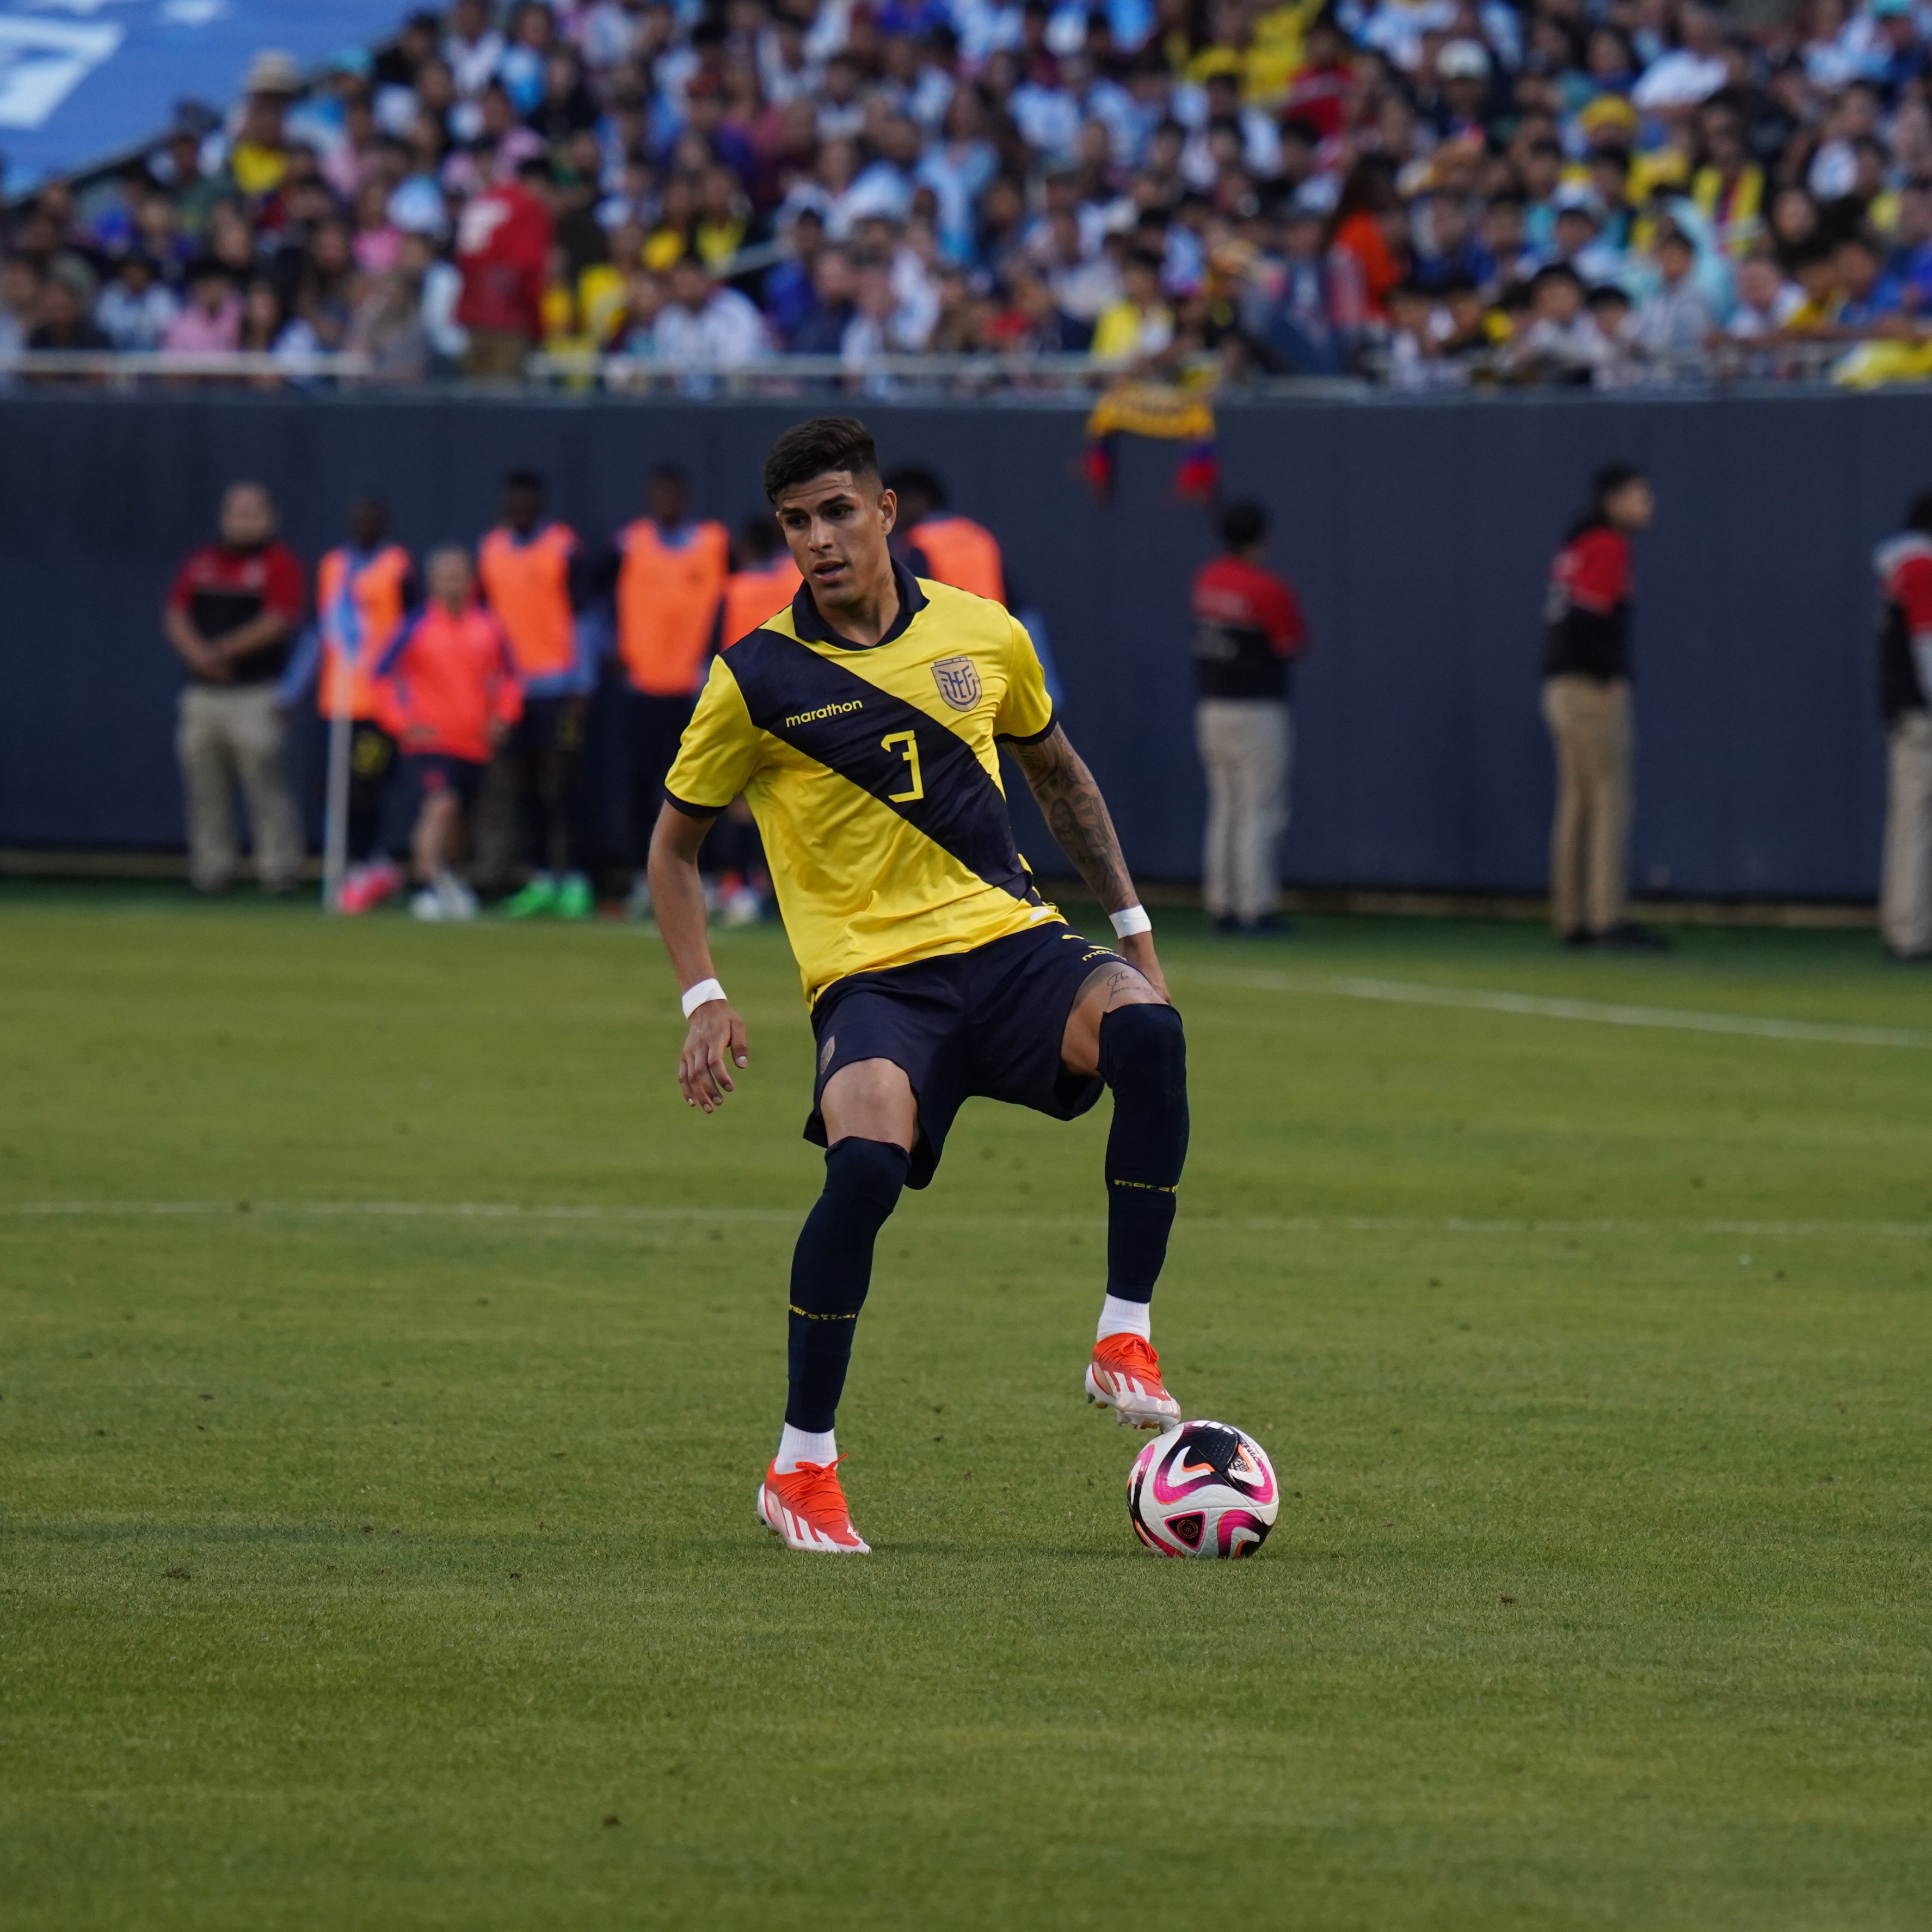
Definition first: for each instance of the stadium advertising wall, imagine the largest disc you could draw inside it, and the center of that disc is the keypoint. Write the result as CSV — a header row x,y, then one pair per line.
x,y
1418,532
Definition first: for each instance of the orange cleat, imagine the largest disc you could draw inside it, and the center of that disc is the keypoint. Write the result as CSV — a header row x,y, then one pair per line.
x,y
807,1508
1124,1375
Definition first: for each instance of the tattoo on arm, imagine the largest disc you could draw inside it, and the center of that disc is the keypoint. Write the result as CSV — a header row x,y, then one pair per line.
x,y
1077,816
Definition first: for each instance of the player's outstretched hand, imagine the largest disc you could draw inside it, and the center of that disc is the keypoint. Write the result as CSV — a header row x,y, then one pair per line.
x,y
1137,951
715,1043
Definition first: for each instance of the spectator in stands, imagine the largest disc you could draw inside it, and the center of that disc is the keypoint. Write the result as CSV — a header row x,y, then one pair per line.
x,y
1904,566
64,323
1247,625
23,286
230,618
670,583
1043,150
541,584
1586,704
211,322
704,323
502,248
137,307
454,695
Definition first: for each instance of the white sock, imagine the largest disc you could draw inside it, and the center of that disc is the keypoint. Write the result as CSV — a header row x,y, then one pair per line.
x,y
800,1445
1125,1318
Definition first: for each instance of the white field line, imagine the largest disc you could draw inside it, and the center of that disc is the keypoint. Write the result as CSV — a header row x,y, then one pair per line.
x,y
1262,1224
1533,1005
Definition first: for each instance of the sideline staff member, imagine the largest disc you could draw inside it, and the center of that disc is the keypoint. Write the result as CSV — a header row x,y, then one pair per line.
x,y
1905,684
1586,703
1247,624
230,617
937,543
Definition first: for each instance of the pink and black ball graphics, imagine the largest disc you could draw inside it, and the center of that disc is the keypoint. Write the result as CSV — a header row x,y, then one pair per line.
x,y
1203,1489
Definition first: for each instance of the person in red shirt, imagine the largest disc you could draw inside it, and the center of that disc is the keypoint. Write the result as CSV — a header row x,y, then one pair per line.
x,y
230,617
1247,625
455,696
1586,703
1904,564
502,250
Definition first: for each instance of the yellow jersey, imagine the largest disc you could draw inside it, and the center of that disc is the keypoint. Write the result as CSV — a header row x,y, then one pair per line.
x,y
874,774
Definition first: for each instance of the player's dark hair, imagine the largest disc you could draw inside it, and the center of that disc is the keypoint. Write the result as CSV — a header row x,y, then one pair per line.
x,y
1919,517
814,449
759,540
1241,524
914,479
670,473
1611,477
523,479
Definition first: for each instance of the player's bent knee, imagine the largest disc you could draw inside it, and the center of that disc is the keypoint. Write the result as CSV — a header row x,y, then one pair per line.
x,y
1144,1049
864,1178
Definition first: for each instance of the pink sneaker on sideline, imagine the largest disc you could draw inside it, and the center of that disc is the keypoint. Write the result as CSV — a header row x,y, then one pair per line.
x,y
367,887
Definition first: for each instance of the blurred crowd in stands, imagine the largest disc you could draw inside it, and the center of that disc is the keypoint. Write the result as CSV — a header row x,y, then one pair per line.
x,y
1439,191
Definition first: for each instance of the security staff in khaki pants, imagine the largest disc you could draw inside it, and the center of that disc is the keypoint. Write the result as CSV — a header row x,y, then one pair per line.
x,y
1586,703
1904,566
1247,624
231,617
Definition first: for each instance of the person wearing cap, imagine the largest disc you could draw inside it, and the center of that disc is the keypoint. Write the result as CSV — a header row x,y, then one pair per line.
x,y
259,156
1586,704
1904,566
1463,69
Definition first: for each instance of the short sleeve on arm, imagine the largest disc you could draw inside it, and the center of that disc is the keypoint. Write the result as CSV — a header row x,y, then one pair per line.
x,y
720,751
1912,587
285,592
1025,715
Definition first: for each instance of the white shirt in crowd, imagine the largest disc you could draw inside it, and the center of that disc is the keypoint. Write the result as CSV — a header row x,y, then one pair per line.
x,y
727,331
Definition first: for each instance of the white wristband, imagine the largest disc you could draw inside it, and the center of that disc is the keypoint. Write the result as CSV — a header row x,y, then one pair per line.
x,y
701,994
1129,920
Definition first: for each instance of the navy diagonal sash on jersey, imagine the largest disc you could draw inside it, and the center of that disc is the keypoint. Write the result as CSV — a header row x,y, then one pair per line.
x,y
832,715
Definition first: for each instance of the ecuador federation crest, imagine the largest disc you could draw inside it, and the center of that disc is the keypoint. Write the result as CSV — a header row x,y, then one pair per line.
x,y
959,682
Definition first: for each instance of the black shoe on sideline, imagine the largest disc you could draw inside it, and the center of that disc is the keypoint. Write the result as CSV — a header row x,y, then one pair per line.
x,y
1228,923
1895,957
1630,937
1270,925
1577,938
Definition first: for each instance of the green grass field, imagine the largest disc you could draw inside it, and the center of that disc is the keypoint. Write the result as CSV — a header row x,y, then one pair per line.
x,y
388,1358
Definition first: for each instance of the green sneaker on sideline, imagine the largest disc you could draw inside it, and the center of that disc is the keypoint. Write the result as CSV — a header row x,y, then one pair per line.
x,y
539,896
575,898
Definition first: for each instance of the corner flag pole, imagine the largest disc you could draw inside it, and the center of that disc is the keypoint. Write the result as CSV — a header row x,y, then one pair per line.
x,y
335,811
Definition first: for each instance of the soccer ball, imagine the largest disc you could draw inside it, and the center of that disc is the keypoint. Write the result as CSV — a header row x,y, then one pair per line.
x,y
1203,1489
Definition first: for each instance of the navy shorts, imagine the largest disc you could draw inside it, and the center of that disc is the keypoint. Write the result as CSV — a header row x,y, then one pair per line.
x,y
989,1023
439,771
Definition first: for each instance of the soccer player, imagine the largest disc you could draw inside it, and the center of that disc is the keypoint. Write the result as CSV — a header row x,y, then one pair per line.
x,y
454,694
863,724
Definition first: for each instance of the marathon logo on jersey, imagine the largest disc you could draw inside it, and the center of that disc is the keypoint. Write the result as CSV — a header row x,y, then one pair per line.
x,y
824,711
959,682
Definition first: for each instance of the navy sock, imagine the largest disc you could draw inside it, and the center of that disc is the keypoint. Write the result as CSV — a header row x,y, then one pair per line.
x,y
831,1269
1144,1059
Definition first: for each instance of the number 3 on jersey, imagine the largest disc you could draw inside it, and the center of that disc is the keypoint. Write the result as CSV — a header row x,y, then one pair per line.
x,y
910,741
